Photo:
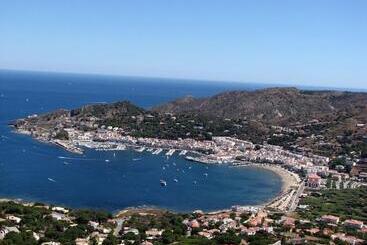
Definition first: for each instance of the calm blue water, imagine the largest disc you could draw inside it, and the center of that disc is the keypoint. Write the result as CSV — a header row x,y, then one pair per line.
x,y
130,178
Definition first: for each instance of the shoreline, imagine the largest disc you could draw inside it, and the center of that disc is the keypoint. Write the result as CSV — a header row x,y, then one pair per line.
x,y
289,180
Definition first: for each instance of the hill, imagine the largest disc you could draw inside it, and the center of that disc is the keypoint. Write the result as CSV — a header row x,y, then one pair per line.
x,y
327,123
323,122
274,106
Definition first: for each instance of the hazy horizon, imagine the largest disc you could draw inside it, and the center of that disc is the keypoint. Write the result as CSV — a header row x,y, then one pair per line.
x,y
119,76
302,43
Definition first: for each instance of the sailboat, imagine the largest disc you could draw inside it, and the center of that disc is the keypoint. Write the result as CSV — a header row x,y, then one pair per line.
x,y
163,182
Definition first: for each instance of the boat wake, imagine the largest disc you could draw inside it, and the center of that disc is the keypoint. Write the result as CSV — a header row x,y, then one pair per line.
x,y
76,158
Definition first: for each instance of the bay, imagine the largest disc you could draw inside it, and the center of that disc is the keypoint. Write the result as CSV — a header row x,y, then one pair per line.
x,y
35,171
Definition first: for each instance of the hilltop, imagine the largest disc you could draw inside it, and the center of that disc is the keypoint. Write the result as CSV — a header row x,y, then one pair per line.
x,y
273,106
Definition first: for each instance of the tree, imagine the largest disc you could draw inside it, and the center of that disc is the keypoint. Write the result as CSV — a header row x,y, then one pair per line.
x,y
168,237
62,135
364,150
130,236
24,238
110,240
229,237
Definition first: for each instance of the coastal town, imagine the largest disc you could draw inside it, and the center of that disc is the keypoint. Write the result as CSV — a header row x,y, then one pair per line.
x,y
284,220
194,122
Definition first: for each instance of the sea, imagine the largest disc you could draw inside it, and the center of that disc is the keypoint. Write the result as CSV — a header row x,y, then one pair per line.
x,y
41,172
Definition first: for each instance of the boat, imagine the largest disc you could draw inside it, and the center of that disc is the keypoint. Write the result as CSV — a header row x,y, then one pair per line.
x,y
163,182
140,149
170,152
156,152
206,174
183,152
120,147
107,160
137,159
175,180
66,163
52,180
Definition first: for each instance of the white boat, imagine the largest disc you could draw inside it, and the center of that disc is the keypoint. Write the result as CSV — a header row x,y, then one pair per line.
x,y
140,149
156,152
107,160
163,183
121,147
175,180
183,152
170,152
52,180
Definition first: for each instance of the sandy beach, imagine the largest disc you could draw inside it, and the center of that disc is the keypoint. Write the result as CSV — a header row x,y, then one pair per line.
x,y
289,179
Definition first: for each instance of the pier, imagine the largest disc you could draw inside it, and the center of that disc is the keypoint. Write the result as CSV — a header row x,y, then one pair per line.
x,y
170,152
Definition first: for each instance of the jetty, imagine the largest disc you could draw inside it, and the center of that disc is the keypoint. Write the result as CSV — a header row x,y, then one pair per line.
x,y
156,152
170,152
141,149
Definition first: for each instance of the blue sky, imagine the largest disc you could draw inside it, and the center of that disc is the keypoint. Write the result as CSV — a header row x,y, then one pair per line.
x,y
306,42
